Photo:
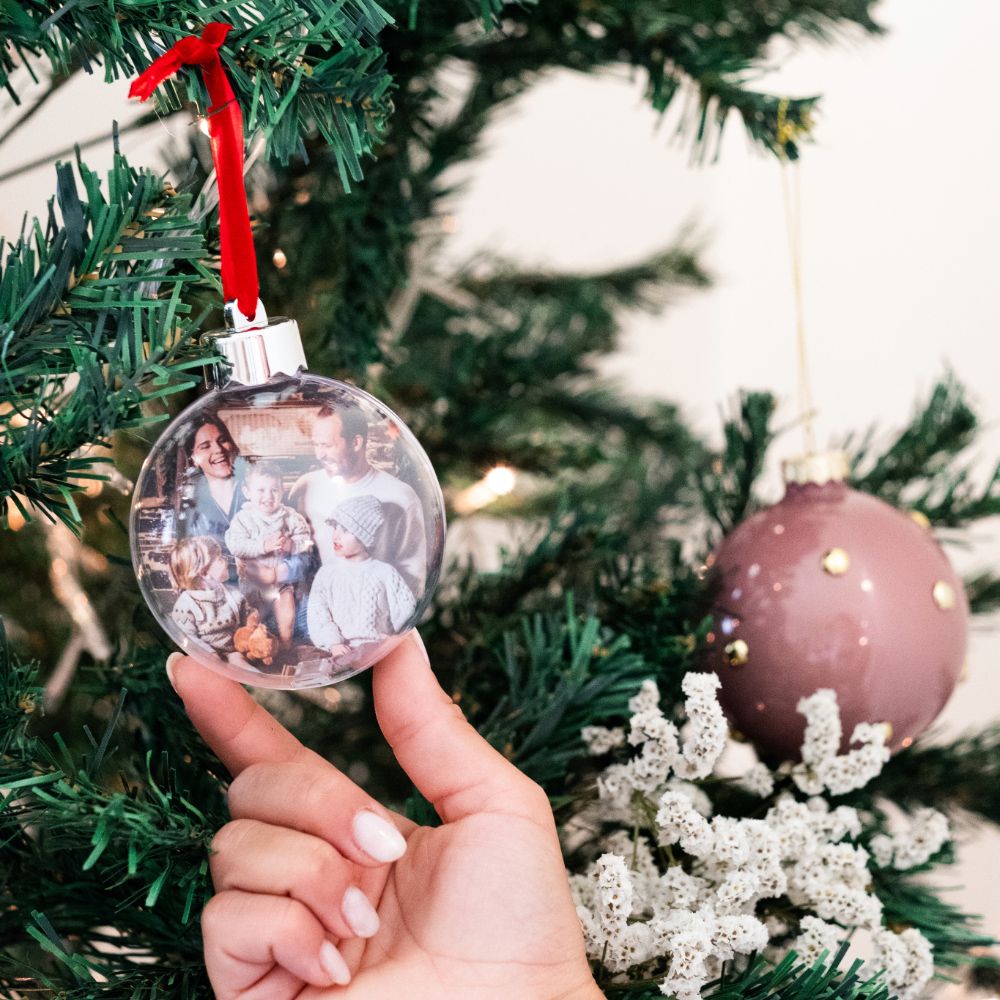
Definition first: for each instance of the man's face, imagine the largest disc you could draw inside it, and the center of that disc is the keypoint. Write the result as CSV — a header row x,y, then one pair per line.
x,y
264,492
339,456
213,452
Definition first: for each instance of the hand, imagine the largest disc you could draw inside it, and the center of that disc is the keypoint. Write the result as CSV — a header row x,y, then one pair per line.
x,y
275,542
476,909
287,546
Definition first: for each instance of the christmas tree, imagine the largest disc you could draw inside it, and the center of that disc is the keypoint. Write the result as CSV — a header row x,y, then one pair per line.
x,y
579,656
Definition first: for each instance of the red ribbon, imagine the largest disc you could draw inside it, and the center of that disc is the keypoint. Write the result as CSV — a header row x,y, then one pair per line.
x,y
225,130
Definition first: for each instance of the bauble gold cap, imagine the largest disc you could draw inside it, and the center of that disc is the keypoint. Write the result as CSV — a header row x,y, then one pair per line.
x,y
819,467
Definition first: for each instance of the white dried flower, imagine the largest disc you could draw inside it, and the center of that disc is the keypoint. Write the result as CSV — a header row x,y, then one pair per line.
x,y
707,730
679,822
700,913
758,780
817,936
614,893
823,729
677,891
697,795
907,959
881,847
614,784
927,833
738,935
688,972
648,698
600,740
822,767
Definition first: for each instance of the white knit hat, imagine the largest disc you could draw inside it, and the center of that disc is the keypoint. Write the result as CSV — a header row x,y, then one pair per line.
x,y
361,516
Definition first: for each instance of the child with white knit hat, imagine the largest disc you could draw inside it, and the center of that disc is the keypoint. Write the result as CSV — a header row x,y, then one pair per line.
x,y
355,600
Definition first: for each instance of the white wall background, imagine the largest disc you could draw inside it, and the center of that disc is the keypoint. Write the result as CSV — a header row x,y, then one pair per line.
x,y
900,214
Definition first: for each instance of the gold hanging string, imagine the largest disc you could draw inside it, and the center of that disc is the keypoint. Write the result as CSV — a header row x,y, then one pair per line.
x,y
788,131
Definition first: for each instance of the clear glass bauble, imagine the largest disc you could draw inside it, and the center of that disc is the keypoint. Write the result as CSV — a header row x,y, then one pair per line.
x,y
287,534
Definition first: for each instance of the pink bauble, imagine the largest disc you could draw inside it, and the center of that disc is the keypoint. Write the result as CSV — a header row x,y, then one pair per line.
x,y
832,588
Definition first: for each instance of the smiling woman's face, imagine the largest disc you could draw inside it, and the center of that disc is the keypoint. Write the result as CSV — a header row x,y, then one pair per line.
x,y
213,452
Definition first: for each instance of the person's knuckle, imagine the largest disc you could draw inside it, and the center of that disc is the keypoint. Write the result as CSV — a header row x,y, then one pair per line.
x,y
315,792
242,788
292,918
216,915
320,864
228,838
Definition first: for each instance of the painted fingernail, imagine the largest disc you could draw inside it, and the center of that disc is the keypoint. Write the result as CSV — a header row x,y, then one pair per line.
x,y
359,913
377,837
172,660
333,964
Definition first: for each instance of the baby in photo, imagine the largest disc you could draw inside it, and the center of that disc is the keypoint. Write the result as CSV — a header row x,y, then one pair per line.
x,y
270,542
357,601
207,609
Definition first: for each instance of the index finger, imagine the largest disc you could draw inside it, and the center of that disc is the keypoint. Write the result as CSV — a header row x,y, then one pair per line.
x,y
239,731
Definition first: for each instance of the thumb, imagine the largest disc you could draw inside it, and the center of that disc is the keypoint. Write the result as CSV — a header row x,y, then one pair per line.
x,y
455,769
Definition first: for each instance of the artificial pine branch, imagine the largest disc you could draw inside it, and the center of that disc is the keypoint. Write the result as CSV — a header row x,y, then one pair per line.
x,y
560,674
77,835
727,483
954,935
296,65
512,354
789,979
924,468
85,343
960,776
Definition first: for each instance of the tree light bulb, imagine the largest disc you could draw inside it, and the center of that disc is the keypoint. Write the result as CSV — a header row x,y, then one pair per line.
x,y
501,480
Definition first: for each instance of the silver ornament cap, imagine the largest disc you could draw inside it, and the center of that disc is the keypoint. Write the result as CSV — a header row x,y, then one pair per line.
x,y
255,350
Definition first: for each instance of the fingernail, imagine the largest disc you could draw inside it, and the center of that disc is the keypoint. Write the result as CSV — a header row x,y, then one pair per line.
x,y
172,660
333,964
377,837
359,913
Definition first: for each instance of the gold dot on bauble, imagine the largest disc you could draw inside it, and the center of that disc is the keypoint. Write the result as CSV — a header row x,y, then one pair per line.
x,y
944,595
836,561
737,652
919,517
889,731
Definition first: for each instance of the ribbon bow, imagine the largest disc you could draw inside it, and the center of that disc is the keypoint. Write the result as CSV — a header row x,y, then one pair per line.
x,y
225,130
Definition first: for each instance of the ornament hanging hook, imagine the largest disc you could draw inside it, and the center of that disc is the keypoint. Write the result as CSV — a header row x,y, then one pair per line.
x,y
786,132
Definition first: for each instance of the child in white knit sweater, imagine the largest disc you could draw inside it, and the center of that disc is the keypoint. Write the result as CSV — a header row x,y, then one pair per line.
x,y
355,600
271,543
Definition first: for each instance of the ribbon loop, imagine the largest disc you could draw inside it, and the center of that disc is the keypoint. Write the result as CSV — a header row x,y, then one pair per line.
x,y
225,129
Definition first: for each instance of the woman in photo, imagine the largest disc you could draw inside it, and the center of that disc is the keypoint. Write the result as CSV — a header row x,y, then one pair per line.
x,y
216,489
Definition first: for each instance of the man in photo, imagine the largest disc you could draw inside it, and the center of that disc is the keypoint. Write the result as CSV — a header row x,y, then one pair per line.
x,y
340,441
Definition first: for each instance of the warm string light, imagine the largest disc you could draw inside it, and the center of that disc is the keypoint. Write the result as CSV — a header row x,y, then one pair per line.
x,y
498,482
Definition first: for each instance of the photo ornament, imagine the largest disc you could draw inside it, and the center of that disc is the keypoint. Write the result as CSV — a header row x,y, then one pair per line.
x,y
288,535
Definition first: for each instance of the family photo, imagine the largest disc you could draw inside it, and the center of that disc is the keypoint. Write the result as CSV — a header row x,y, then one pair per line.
x,y
284,541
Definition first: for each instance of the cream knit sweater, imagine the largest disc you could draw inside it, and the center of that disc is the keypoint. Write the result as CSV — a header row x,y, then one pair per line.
x,y
355,601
